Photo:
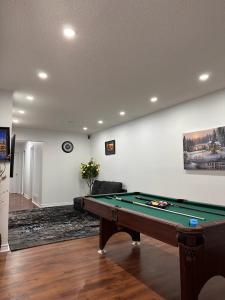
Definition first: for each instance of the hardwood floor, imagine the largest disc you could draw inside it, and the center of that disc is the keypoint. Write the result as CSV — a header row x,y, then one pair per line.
x,y
18,202
73,270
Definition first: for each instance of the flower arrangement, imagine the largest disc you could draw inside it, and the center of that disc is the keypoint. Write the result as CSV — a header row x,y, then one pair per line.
x,y
89,172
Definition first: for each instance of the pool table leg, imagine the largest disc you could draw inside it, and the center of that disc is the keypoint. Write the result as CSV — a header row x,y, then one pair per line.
x,y
136,239
191,250
135,243
108,228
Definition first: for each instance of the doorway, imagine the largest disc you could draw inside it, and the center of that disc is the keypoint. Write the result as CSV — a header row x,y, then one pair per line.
x,y
26,184
16,181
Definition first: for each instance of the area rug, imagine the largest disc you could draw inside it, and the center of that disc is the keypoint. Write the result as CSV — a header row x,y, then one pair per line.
x,y
40,226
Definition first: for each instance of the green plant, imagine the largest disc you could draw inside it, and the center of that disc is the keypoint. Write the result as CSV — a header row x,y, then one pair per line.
x,y
89,172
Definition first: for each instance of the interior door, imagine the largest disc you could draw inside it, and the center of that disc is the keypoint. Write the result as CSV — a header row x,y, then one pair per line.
x,y
15,182
32,170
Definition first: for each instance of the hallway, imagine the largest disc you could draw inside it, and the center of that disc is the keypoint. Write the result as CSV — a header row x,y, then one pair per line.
x,y
19,202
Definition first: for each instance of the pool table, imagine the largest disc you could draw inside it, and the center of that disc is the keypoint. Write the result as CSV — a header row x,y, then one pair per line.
x,y
201,248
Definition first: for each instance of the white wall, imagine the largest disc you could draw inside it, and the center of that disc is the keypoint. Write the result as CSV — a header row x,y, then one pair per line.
x,y
61,171
5,121
149,153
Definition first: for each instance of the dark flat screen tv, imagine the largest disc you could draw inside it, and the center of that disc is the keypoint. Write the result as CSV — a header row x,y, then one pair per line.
x,y
12,155
4,143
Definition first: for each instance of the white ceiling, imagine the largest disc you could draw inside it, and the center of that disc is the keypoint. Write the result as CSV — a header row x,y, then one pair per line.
x,y
125,52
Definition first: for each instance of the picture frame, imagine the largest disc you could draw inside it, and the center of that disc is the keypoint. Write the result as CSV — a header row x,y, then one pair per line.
x,y
4,143
110,147
204,149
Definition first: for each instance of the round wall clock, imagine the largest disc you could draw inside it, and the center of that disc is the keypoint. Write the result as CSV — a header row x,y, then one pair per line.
x,y
67,147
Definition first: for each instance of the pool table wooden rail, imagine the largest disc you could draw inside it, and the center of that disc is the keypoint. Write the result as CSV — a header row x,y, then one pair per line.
x,y
201,249
162,230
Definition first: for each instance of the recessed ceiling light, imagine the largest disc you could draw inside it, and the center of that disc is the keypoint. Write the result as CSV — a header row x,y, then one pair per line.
x,y
22,112
42,75
154,99
30,97
85,128
122,113
204,76
69,32
15,121
100,122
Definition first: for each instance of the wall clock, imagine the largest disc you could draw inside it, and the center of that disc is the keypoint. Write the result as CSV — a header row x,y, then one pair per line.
x,y
67,147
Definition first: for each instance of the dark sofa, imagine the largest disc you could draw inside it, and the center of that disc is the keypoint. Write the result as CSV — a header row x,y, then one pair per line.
x,y
100,187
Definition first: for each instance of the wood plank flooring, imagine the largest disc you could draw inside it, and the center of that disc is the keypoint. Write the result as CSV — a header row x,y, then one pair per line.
x,y
19,202
73,270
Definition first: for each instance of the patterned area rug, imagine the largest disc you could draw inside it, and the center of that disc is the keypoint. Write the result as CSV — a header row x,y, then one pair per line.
x,y
40,226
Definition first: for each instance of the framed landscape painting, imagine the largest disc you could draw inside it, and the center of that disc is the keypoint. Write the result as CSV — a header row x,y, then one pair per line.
x,y
110,147
204,150
4,143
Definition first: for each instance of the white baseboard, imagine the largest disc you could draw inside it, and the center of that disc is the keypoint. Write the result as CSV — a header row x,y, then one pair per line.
x,y
27,197
56,204
5,248
36,203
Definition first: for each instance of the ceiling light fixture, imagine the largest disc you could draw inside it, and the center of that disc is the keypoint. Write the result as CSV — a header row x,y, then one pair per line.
x,y
154,99
22,112
42,75
30,97
85,128
122,113
204,76
100,122
15,121
69,32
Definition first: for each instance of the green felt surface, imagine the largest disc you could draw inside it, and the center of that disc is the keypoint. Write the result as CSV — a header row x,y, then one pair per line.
x,y
210,215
